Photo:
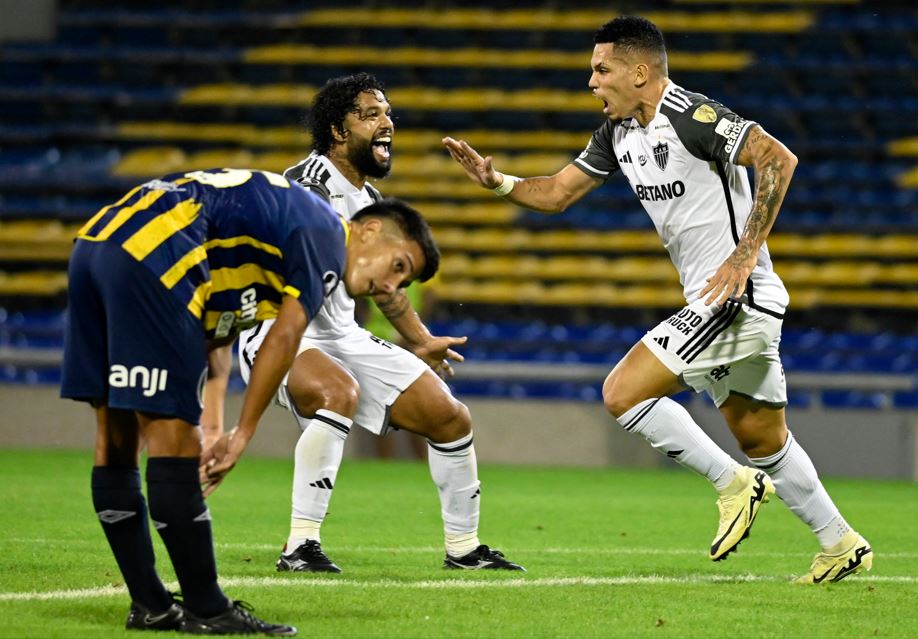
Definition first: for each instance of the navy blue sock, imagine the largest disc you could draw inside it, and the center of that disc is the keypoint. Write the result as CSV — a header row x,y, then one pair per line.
x,y
183,521
122,510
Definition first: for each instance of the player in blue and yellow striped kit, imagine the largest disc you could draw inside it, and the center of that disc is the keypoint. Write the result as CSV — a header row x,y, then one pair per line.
x,y
161,282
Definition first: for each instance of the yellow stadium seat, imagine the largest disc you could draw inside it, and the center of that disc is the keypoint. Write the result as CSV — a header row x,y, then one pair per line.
x,y
908,179
902,274
150,162
33,283
870,298
906,147
218,158
473,57
44,240
412,188
566,18
276,161
488,213
905,246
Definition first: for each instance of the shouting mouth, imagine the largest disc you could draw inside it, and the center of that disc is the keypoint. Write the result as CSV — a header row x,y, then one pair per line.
x,y
605,104
382,148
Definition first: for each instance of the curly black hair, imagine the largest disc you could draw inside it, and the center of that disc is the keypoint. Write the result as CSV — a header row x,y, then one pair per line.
x,y
332,104
412,224
633,34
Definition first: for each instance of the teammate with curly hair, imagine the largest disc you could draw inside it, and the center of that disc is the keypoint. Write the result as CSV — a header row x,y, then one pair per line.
x,y
344,375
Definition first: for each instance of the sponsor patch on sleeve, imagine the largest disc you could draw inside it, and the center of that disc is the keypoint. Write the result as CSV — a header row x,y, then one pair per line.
x,y
730,130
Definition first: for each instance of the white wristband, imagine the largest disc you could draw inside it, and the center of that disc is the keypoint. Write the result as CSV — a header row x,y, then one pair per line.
x,y
506,186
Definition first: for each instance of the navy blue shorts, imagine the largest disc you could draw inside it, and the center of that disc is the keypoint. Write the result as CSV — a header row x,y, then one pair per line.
x,y
130,343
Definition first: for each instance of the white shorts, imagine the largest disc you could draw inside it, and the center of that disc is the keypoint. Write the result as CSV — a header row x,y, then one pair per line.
x,y
383,371
723,350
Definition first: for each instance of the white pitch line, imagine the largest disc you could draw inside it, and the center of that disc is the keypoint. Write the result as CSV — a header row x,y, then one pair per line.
x,y
78,593
441,584
558,551
607,550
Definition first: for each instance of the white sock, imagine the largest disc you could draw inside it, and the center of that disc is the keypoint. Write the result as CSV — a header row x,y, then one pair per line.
x,y
300,531
798,486
454,470
315,468
671,430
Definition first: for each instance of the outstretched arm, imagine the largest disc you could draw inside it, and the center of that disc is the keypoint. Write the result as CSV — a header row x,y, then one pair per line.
x,y
436,352
548,194
773,164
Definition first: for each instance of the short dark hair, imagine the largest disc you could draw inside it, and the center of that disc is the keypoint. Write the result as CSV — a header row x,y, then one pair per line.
x,y
412,224
634,34
332,104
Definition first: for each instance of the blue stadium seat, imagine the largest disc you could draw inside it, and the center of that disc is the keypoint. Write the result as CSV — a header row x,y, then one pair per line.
x,y
906,400
836,93
853,399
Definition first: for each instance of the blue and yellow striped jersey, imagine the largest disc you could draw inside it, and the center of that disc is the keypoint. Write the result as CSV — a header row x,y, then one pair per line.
x,y
229,243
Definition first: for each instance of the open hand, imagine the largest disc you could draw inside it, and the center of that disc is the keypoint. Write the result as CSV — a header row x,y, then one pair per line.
x,y
729,280
478,169
437,353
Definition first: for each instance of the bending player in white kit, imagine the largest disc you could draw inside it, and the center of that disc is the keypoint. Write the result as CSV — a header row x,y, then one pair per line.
x,y
683,155
343,375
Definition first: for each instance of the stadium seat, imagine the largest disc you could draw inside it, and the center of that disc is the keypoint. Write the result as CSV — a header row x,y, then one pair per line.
x,y
122,95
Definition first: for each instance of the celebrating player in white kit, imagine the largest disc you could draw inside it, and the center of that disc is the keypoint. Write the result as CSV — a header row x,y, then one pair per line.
x,y
343,375
684,156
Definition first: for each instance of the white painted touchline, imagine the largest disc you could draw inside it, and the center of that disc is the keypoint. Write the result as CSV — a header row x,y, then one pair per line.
x,y
572,550
442,584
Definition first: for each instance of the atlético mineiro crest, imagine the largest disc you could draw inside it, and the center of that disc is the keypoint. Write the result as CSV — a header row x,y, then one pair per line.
x,y
661,155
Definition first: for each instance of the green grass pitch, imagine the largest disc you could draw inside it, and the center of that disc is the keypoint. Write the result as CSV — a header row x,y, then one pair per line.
x,y
610,553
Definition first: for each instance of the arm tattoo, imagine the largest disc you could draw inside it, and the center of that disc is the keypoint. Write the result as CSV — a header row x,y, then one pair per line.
x,y
772,180
536,185
395,306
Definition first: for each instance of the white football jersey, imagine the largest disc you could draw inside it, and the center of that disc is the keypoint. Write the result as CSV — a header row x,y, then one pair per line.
x,y
682,168
317,172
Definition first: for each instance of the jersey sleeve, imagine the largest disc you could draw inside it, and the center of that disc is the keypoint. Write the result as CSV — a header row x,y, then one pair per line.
x,y
316,187
298,174
711,131
314,257
598,158
312,175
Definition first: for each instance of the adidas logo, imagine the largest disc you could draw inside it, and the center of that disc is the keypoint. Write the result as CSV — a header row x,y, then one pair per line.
x,y
625,159
325,482
662,341
674,453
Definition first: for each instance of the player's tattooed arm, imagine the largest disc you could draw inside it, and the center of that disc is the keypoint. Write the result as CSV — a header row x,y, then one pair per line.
x,y
436,351
774,165
555,193
548,194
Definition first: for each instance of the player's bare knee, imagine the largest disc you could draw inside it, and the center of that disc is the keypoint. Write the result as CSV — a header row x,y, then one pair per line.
x,y
765,446
338,393
758,439
616,400
760,431
452,421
